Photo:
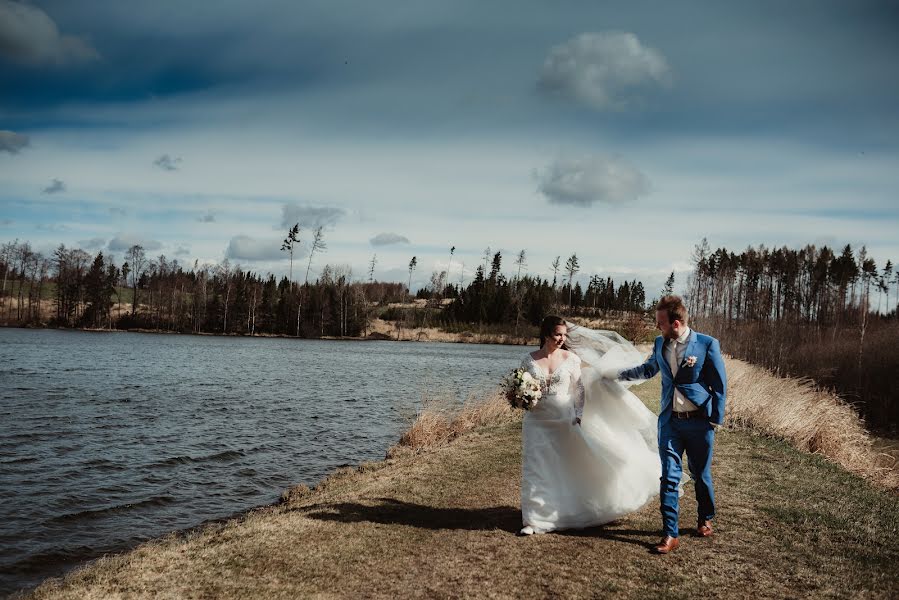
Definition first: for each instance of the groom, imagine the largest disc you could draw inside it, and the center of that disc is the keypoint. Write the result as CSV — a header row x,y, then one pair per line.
x,y
692,407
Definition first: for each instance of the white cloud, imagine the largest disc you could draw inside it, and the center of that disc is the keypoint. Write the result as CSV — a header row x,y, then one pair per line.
x,y
583,181
12,142
386,239
56,186
602,70
168,163
242,247
123,241
28,35
93,243
182,251
309,216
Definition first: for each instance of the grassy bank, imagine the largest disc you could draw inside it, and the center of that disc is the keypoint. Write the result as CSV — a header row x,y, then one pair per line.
x,y
440,521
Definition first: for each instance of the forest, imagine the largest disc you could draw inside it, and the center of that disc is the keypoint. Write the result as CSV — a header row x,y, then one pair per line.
x,y
808,312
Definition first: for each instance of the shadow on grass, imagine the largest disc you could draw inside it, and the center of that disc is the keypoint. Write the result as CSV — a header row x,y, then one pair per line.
x,y
390,511
613,532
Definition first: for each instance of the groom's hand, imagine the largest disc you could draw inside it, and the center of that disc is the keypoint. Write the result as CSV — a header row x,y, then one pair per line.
x,y
609,373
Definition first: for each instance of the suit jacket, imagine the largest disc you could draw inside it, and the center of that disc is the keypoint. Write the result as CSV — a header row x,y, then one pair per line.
x,y
704,384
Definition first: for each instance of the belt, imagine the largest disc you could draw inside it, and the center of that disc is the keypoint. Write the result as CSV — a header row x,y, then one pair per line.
x,y
689,414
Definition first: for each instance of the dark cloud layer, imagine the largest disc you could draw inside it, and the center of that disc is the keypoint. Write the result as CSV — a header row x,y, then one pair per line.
x,y
821,62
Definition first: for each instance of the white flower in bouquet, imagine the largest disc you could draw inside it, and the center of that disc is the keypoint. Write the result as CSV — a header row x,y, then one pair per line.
x,y
522,389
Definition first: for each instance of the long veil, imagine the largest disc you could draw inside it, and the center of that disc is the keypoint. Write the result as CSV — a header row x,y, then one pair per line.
x,y
610,405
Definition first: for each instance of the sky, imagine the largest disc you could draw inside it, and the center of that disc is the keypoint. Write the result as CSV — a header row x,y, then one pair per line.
x,y
623,132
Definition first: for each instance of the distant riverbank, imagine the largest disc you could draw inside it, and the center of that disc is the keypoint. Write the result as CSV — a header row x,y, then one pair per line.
x,y
378,330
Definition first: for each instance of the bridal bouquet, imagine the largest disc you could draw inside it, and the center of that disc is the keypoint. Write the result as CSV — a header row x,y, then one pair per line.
x,y
522,389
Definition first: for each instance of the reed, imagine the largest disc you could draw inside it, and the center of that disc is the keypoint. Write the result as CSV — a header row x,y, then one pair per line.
x,y
808,418
438,422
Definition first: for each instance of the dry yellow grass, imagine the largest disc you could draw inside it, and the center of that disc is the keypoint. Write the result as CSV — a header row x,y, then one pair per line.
x,y
437,423
809,419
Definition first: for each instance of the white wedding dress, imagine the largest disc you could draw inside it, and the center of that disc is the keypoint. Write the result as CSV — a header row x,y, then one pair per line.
x,y
576,476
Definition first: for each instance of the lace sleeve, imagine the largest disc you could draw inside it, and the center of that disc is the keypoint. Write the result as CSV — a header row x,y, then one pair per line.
x,y
525,362
577,383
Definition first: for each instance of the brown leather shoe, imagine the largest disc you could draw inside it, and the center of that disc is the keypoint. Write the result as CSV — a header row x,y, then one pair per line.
x,y
668,544
704,529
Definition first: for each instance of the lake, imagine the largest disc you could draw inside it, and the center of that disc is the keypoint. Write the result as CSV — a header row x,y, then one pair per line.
x,y
110,439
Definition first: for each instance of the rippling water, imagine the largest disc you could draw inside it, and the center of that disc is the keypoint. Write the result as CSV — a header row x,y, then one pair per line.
x,y
109,439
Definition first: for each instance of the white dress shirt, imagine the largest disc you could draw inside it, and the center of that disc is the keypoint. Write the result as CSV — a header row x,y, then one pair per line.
x,y
675,354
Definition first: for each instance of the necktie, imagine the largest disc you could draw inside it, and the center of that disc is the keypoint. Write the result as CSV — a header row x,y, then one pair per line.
x,y
672,356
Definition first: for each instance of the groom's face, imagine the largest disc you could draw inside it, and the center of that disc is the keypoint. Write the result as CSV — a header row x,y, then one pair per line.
x,y
670,330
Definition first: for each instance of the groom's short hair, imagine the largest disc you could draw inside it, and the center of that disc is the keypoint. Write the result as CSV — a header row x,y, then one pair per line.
x,y
674,306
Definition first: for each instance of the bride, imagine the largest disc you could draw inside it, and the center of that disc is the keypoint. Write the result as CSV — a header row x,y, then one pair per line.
x,y
589,451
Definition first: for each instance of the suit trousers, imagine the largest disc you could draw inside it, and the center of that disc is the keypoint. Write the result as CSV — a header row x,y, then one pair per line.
x,y
696,436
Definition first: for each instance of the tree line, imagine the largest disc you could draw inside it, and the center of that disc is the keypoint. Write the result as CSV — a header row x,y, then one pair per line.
x,y
493,297
811,311
161,294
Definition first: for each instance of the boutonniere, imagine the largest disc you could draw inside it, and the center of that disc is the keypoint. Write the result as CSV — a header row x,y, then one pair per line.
x,y
690,361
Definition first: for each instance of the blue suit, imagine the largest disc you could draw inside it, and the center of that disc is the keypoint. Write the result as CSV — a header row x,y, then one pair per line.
x,y
704,383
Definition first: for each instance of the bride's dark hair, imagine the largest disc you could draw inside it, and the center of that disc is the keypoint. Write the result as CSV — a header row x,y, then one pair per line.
x,y
548,325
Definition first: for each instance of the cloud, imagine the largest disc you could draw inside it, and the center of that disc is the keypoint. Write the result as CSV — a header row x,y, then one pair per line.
x,y
310,217
602,70
117,211
28,35
242,247
12,142
123,241
168,163
52,227
584,181
56,186
386,239
93,243
209,217
6,222
182,251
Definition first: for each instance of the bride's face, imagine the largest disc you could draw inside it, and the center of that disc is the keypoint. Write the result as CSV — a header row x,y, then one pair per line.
x,y
557,338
